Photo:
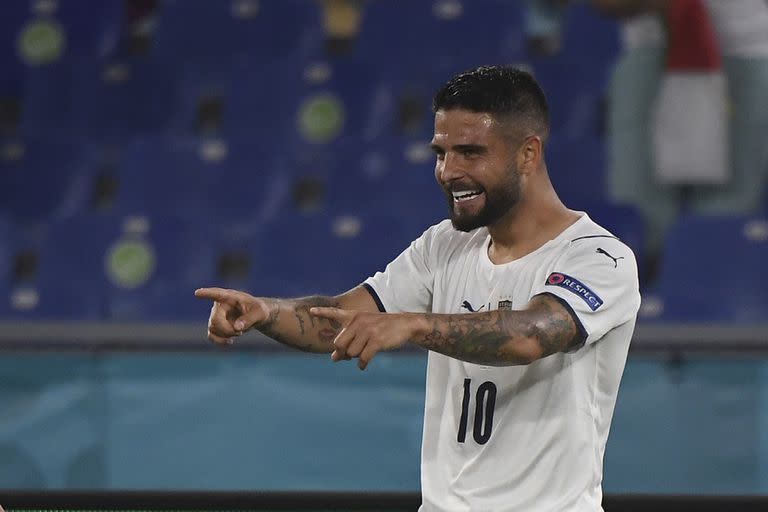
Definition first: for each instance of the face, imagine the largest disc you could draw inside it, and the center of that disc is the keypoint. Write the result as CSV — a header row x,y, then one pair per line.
x,y
475,167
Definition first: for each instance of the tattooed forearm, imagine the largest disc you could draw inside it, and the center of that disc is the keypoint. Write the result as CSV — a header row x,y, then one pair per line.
x,y
290,323
557,331
274,315
301,309
300,319
477,338
501,338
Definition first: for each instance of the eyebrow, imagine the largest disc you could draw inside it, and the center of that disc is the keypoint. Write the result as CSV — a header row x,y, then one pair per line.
x,y
460,148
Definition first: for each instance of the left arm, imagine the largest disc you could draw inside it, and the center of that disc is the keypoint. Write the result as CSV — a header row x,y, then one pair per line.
x,y
495,338
501,337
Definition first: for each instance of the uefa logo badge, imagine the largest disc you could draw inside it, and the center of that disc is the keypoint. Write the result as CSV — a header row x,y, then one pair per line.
x,y
555,278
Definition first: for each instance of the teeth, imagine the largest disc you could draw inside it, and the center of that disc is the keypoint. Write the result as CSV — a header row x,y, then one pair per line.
x,y
465,194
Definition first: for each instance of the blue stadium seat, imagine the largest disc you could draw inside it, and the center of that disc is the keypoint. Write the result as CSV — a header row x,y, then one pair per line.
x,y
233,182
305,102
161,175
576,78
184,260
577,169
204,32
307,254
90,29
110,267
403,98
43,178
69,283
246,187
86,29
469,33
387,174
12,77
575,96
589,39
82,29
407,187
714,270
435,39
101,100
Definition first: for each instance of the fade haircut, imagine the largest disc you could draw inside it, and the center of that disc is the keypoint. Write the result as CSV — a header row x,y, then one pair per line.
x,y
510,95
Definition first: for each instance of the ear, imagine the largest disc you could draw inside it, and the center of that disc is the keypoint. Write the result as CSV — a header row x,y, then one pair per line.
x,y
529,154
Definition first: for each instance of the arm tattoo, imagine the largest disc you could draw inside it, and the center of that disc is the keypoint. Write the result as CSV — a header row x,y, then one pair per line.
x,y
268,326
307,333
477,338
557,331
301,309
502,337
300,319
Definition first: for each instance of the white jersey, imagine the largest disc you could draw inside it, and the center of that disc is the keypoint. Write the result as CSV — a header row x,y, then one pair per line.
x,y
522,438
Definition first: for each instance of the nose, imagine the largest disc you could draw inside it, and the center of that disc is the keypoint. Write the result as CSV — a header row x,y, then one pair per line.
x,y
448,169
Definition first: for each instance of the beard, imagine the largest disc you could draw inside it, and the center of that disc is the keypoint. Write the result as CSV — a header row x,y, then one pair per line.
x,y
498,202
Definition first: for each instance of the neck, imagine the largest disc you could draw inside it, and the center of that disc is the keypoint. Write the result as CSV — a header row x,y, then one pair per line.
x,y
535,220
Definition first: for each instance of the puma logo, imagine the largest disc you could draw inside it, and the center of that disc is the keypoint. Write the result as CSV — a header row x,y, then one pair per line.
x,y
466,305
600,250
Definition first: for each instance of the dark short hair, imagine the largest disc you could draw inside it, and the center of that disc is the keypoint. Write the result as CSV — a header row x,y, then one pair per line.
x,y
502,91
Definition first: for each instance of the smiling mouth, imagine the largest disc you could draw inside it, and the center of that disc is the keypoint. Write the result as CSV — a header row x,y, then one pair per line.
x,y
465,195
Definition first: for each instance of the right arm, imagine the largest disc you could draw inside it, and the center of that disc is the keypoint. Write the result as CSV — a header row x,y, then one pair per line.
x,y
285,320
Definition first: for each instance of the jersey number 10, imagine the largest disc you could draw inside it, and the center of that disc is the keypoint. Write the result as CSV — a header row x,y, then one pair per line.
x,y
485,401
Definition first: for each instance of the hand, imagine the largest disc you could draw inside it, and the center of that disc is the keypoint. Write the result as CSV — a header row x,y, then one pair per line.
x,y
363,335
232,313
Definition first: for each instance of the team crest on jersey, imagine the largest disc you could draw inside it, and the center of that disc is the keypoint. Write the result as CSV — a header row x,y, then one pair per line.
x,y
505,305
574,285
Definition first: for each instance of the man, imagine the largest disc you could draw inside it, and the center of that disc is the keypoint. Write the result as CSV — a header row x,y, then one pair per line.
x,y
527,309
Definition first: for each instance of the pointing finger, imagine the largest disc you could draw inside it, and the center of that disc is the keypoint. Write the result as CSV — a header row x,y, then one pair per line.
x,y
330,313
218,294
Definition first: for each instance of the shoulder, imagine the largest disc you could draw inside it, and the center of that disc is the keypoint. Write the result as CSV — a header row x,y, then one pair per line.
x,y
592,238
596,251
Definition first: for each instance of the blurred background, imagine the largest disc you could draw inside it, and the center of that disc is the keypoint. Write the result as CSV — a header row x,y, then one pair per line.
x,y
151,147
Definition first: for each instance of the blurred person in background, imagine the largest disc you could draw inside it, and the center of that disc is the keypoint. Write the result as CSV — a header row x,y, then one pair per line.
x,y
654,33
526,307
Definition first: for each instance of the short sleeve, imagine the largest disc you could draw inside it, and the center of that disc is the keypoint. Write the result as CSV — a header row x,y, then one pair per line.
x,y
406,283
596,279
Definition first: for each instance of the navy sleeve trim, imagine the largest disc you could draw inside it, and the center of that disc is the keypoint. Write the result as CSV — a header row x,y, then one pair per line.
x,y
576,319
596,236
375,296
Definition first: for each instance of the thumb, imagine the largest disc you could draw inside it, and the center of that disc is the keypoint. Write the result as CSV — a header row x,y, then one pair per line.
x,y
255,314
